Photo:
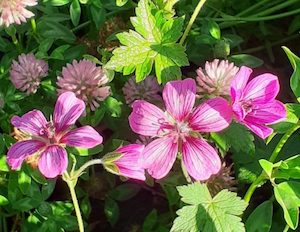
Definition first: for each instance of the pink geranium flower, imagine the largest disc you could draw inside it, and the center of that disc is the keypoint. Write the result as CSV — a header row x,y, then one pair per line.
x,y
254,104
46,140
129,162
177,130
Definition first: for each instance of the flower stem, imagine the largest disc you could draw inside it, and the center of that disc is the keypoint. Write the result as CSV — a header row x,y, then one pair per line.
x,y
286,229
85,166
71,186
16,42
272,158
192,20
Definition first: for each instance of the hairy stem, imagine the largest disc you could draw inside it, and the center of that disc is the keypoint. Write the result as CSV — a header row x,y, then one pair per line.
x,y
272,158
192,20
71,186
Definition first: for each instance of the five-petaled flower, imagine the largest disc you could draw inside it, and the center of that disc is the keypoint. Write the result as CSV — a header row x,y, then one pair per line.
x,y
46,140
178,130
254,104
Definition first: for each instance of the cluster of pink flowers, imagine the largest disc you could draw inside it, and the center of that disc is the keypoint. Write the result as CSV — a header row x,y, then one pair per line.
x,y
14,11
86,80
26,74
175,131
216,78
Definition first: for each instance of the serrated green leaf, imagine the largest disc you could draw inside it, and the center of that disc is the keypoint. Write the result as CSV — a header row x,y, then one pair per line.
x,y
152,42
288,196
207,213
227,139
260,220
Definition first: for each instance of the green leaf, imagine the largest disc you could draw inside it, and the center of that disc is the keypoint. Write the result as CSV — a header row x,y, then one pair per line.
x,y
152,43
121,2
24,182
267,166
245,59
260,220
111,210
227,139
3,164
59,2
150,221
295,78
75,12
48,189
214,29
113,106
288,196
124,192
209,214
85,151
288,169
98,15
3,200
293,115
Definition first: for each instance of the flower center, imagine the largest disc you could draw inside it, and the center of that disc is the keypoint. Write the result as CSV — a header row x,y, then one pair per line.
x,y
181,130
247,106
49,132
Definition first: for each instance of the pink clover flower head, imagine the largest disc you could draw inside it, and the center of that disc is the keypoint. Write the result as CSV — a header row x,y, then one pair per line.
x,y
254,103
216,77
14,11
47,139
125,161
177,130
147,90
86,80
26,74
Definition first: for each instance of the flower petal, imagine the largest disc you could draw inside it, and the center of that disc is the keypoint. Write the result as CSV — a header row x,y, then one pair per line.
x,y
179,98
260,130
53,161
239,82
67,110
200,159
147,119
86,137
211,116
159,156
32,122
21,150
130,163
262,89
269,113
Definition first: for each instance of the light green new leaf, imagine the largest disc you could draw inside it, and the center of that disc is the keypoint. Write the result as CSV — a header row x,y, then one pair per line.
x,y
295,78
288,196
260,220
207,213
152,43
